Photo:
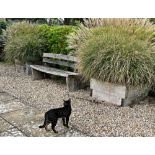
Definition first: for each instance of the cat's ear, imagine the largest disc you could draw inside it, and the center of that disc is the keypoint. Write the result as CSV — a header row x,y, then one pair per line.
x,y
69,100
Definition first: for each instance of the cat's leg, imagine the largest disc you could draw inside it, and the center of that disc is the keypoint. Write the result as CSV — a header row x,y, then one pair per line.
x,y
67,120
63,120
54,123
47,123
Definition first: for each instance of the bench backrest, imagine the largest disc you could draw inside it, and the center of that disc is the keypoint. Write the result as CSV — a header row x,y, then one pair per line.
x,y
60,59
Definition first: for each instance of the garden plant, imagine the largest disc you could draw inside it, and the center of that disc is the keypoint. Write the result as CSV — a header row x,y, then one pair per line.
x,y
3,25
27,42
119,51
24,42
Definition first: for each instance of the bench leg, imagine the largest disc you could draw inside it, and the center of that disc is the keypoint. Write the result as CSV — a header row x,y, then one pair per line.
x,y
73,83
37,75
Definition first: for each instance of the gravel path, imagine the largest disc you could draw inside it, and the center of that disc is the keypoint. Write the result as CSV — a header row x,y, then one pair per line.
x,y
94,119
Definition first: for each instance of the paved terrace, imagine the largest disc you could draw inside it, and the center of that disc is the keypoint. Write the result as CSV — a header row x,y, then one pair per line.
x,y
23,103
19,119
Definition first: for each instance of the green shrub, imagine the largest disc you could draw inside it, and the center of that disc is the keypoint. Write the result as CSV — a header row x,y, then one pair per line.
x,y
118,54
84,29
24,42
57,38
27,42
3,25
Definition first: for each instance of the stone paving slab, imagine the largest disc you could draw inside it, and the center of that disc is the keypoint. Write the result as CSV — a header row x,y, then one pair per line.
x,y
18,120
11,106
5,97
4,126
32,129
29,119
14,132
22,116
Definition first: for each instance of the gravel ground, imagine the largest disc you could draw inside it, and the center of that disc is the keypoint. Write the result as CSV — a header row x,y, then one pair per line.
x,y
92,118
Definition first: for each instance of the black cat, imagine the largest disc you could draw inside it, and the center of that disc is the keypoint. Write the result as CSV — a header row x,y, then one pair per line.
x,y
52,116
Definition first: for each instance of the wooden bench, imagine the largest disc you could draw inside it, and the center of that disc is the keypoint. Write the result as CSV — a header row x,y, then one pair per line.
x,y
72,78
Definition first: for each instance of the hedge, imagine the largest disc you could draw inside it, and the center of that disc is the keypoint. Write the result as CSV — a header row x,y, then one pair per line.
x,y
57,38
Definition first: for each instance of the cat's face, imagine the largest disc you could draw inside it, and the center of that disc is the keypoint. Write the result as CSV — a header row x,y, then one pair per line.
x,y
67,102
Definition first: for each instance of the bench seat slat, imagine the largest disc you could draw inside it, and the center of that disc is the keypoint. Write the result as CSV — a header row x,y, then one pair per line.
x,y
59,62
54,71
60,56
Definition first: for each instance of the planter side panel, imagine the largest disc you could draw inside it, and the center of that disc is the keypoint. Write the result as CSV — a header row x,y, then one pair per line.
x,y
108,92
135,95
106,97
118,90
116,94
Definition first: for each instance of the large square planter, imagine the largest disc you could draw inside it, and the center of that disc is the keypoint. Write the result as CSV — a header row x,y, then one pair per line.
x,y
19,67
116,94
23,68
28,69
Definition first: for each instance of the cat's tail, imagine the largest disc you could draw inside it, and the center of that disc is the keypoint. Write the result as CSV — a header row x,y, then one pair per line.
x,y
42,126
45,121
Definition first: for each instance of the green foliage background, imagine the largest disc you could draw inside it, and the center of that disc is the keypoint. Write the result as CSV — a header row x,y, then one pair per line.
x,y
57,38
3,25
24,42
27,42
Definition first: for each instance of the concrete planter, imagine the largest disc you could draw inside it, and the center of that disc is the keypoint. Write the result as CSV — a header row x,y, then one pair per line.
x,y
19,67
116,94
28,69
